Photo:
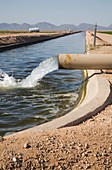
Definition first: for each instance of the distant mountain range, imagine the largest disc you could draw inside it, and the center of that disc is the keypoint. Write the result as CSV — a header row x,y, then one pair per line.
x,y
48,26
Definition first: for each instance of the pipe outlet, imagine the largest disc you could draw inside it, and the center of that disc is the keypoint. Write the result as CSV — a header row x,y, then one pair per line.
x,y
85,61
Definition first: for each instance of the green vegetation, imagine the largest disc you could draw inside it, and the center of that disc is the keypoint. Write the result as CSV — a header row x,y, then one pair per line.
x,y
105,32
12,31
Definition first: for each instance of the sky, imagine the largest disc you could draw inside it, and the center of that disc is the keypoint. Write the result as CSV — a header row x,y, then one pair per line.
x,y
56,11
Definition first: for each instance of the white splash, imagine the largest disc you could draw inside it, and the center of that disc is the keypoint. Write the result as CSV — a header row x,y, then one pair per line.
x,y
6,81
37,74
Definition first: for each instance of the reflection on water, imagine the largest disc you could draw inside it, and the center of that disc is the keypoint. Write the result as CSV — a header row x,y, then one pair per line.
x,y
53,96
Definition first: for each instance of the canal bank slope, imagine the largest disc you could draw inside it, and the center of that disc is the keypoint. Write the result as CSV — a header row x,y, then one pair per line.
x,y
9,41
85,146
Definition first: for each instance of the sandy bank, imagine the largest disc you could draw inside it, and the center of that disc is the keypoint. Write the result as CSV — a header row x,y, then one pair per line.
x,y
84,146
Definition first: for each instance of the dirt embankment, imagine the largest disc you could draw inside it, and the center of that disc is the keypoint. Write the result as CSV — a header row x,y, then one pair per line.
x,y
10,41
85,146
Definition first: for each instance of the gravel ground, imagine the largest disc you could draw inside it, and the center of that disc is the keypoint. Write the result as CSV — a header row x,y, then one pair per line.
x,y
85,146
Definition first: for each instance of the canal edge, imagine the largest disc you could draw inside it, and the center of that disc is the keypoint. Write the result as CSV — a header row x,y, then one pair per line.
x,y
94,101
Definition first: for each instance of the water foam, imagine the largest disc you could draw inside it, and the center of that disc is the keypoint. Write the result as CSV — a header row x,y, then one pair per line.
x,y
6,80
37,74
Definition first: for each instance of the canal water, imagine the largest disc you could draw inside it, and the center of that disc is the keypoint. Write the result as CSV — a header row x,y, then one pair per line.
x,y
32,89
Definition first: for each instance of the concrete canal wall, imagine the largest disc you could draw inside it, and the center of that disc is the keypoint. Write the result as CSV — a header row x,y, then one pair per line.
x,y
97,97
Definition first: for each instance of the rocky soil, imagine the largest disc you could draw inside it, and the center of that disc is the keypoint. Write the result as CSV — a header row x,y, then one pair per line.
x,y
86,146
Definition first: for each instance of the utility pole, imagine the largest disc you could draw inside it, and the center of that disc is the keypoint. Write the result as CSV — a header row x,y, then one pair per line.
x,y
95,35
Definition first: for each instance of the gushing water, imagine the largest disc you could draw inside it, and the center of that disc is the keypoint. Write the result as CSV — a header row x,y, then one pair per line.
x,y
6,81
49,97
37,74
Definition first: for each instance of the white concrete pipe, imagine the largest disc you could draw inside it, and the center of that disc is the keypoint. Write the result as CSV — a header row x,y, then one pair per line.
x,y
85,61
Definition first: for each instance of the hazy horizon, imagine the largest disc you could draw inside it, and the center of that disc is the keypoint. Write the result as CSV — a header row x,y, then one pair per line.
x,y
56,12
55,24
